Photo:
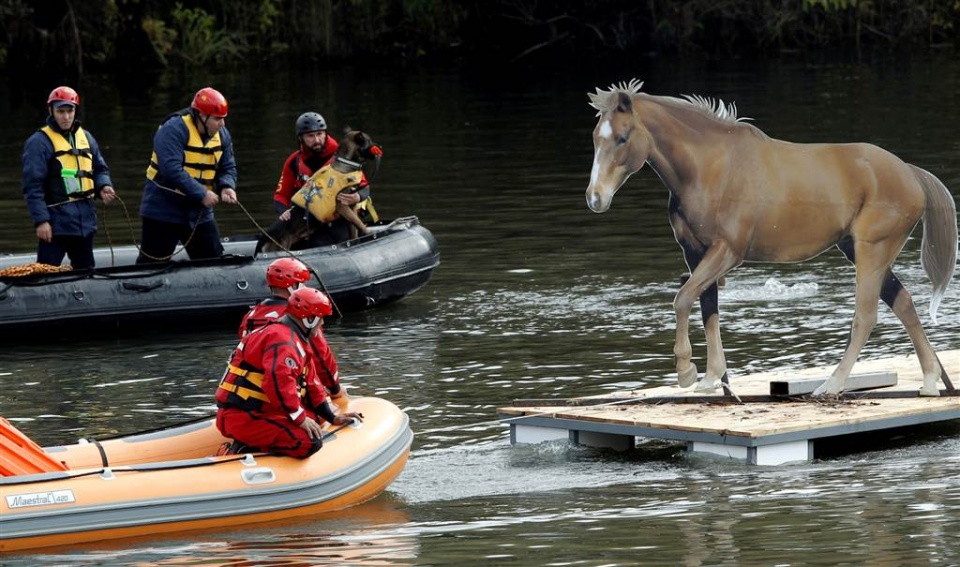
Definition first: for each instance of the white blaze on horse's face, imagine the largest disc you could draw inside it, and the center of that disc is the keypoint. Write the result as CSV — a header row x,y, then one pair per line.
x,y
599,194
613,159
604,131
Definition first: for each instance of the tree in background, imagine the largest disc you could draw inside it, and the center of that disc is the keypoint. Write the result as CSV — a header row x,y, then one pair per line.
x,y
67,37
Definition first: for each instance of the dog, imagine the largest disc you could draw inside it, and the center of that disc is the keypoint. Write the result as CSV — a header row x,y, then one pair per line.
x,y
316,202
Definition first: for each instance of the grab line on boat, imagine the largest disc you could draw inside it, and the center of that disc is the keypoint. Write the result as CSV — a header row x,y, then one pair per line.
x,y
111,471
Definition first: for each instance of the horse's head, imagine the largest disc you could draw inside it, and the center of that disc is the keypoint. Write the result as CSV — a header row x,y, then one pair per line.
x,y
621,144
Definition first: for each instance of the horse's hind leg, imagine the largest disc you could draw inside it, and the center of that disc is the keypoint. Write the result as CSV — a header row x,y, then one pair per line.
x,y
898,298
873,262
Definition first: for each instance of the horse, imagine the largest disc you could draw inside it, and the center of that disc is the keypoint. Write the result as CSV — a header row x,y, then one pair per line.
x,y
316,202
737,195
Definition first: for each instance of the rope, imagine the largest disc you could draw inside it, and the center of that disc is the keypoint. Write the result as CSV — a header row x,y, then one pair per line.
x,y
263,231
133,237
106,230
327,434
290,253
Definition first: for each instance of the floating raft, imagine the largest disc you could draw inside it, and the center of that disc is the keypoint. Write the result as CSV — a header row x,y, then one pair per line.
x,y
765,427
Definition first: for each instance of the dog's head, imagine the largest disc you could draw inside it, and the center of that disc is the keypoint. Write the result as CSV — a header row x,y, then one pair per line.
x,y
359,146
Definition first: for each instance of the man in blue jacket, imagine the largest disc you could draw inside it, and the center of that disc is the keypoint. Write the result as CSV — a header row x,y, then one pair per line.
x,y
63,171
191,170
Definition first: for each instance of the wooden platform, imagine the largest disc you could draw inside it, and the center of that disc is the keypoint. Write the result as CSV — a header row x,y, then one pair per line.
x,y
764,430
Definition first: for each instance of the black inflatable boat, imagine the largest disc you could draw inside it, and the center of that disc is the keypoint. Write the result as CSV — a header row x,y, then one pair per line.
x,y
392,262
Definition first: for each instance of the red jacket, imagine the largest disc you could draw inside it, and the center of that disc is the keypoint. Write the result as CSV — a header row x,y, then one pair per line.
x,y
298,168
271,373
272,309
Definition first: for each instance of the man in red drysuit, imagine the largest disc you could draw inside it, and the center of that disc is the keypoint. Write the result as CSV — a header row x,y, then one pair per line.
x,y
270,396
284,276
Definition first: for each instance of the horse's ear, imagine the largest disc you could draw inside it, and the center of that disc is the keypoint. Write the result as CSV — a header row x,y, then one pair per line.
x,y
346,129
624,103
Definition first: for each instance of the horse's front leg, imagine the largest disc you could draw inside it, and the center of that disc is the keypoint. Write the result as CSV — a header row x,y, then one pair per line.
x,y
702,284
682,351
716,360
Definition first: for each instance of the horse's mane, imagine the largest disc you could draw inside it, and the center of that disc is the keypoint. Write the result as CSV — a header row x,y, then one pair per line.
x,y
606,100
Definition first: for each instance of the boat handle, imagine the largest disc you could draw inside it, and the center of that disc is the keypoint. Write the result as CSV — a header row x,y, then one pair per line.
x,y
142,287
261,475
242,285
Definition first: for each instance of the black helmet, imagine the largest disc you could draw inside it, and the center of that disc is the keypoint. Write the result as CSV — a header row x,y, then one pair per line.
x,y
310,122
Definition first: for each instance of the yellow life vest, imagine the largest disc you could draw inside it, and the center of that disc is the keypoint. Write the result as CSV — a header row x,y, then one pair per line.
x,y
76,164
366,212
244,382
199,159
319,194
244,385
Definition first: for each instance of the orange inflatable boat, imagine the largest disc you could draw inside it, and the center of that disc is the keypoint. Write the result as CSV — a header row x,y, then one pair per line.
x,y
168,480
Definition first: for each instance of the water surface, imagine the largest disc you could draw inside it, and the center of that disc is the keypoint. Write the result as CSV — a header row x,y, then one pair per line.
x,y
535,297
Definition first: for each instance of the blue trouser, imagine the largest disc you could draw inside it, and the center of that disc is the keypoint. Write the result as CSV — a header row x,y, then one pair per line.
x,y
159,240
78,248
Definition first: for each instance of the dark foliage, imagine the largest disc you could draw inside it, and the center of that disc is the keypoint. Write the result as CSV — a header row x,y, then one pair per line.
x,y
66,37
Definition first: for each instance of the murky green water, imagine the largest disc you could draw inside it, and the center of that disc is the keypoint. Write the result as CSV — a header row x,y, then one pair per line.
x,y
535,297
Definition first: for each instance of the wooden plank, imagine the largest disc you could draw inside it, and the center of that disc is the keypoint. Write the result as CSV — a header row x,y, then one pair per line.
x,y
762,416
855,382
750,420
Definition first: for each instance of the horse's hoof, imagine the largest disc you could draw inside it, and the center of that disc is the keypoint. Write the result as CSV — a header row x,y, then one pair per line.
x,y
828,388
929,392
707,385
929,387
688,377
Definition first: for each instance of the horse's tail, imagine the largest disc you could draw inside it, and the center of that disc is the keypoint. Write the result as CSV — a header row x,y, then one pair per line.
x,y
938,253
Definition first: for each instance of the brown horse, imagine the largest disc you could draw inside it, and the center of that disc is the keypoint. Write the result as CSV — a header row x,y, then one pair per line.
x,y
737,195
318,195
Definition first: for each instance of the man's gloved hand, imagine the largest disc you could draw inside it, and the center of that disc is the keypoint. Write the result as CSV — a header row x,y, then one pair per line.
x,y
347,418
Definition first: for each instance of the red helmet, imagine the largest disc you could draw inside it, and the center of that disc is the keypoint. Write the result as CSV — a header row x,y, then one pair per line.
x,y
287,272
210,101
309,305
64,95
